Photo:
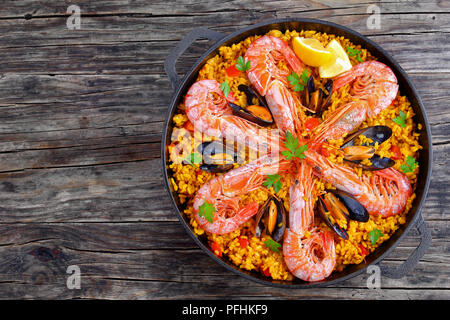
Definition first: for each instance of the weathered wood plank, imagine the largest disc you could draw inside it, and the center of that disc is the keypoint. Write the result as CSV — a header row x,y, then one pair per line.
x,y
18,9
116,29
148,57
121,254
80,124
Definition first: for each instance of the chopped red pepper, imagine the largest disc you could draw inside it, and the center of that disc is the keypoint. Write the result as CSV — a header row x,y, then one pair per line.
x,y
216,249
243,242
311,123
397,153
232,71
265,271
364,251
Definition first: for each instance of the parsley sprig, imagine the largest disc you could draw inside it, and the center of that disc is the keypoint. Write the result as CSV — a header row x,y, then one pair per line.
x,y
225,87
374,235
206,210
298,82
273,180
410,165
241,65
400,120
354,53
193,158
272,245
294,150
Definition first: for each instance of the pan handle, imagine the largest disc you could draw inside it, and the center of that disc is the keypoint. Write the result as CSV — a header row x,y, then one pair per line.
x,y
182,46
413,259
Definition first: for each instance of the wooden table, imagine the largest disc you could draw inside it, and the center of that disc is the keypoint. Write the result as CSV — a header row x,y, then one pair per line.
x,y
82,113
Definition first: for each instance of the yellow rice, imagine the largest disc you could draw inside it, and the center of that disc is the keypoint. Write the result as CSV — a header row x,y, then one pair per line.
x,y
186,179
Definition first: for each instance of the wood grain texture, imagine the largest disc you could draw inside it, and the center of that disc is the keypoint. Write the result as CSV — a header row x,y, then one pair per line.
x,y
82,113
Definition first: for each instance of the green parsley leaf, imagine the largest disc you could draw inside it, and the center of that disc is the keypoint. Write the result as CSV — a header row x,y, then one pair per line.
x,y
410,165
400,120
354,53
294,150
225,87
273,179
298,82
193,158
206,210
272,245
374,235
241,65
304,77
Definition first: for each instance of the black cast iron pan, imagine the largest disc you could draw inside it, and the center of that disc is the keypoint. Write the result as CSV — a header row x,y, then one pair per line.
x,y
414,217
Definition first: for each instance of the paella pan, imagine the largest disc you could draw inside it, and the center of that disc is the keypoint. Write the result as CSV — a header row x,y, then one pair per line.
x,y
297,152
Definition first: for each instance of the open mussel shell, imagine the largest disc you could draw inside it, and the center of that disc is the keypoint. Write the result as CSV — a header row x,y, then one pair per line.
x,y
258,113
377,163
316,101
271,219
340,205
254,113
251,94
324,214
353,154
329,91
376,134
356,211
217,156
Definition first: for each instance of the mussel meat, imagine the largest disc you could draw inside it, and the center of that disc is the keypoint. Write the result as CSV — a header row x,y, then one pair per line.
x,y
318,100
217,156
257,110
340,205
271,219
354,154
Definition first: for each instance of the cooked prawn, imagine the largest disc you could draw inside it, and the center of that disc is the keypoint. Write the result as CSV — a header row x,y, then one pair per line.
x,y
372,81
375,86
383,193
343,120
224,193
208,110
271,81
308,251
312,258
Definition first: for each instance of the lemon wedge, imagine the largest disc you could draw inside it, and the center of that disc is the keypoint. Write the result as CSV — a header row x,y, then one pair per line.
x,y
311,51
338,64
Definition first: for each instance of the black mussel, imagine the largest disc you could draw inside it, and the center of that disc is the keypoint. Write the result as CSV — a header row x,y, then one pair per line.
x,y
257,110
217,156
271,219
328,92
377,163
325,212
340,205
251,95
354,153
376,134
317,100
254,113
356,210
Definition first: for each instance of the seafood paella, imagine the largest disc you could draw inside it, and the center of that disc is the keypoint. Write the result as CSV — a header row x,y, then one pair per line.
x,y
294,154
